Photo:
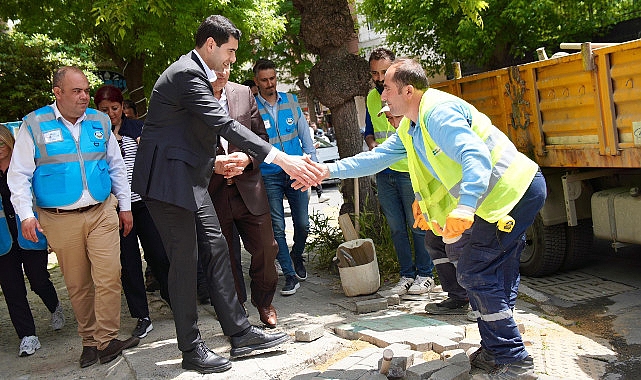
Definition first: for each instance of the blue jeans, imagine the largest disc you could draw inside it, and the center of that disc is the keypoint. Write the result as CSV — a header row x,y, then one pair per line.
x,y
488,269
396,196
277,186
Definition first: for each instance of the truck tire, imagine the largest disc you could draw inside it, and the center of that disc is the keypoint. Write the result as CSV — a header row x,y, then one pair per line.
x,y
544,249
580,239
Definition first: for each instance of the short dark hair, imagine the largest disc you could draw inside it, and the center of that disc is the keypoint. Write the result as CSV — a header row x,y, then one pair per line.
x,y
381,53
59,75
249,83
128,103
263,64
408,71
217,27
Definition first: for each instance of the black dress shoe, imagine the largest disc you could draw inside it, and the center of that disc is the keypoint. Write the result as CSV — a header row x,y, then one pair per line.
x,y
204,360
89,356
115,348
255,339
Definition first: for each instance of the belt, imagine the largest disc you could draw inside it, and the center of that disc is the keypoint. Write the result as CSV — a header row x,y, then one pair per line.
x,y
231,181
78,210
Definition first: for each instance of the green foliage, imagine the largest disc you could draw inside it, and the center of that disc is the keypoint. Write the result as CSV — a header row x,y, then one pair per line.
x,y
27,64
324,238
155,32
507,32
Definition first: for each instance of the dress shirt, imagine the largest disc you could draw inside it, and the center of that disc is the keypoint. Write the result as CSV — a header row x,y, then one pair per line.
x,y
23,165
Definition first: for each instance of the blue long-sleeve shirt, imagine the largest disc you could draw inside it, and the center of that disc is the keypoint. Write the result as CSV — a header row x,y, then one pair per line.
x,y
449,125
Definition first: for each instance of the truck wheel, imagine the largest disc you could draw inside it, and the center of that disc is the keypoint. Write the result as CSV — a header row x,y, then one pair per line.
x,y
580,239
544,249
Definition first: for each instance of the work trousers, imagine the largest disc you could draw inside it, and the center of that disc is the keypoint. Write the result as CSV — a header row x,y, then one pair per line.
x,y
445,259
489,270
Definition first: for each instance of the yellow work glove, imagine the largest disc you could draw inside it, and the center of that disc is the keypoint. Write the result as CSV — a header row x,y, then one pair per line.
x,y
459,220
419,219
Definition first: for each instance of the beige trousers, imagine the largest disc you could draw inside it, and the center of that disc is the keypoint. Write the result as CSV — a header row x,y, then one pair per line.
x,y
88,248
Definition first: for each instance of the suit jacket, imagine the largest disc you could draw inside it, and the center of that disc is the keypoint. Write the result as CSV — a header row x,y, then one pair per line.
x,y
243,108
175,158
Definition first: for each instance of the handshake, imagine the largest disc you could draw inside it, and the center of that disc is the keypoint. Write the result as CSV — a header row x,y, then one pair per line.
x,y
305,172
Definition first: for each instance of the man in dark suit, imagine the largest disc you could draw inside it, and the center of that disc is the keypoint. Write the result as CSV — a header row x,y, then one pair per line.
x,y
241,200
174,164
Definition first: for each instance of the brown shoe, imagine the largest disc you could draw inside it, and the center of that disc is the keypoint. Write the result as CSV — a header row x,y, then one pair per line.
x,y
89,356
115,347
268,315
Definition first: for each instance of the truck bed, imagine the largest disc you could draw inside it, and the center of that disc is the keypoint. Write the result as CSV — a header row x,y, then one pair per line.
x,y
578,111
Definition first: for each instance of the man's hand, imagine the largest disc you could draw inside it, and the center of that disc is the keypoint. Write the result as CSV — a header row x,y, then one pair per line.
x,y
231,165
126,222
370,140
29,227
301,169
459,220
419,219
321,167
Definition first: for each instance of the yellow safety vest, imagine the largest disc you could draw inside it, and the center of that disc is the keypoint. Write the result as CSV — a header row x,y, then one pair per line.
x,y
512,171
382,127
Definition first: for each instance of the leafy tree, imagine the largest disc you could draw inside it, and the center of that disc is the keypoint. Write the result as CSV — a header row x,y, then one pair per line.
x,y
506,32
142,37
27,64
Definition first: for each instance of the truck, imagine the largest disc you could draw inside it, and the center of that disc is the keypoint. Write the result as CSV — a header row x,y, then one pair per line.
x,y
579,118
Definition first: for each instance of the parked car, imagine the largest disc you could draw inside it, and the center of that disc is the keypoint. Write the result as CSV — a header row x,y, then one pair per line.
x,y
326,152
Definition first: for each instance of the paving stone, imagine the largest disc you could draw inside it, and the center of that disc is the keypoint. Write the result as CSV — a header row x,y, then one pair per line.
x,y
347,331
457,357
451,372
521,327
392,298
351,374
398,366
372,375
309,333
467,343
424,370
443,344
370,306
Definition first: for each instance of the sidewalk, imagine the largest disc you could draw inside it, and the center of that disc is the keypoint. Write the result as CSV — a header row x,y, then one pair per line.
x,y
558,353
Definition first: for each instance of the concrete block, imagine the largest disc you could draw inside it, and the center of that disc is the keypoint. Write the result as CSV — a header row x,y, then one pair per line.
x,y
392,298
398,366
457,357
370,306
372,375
352,374
347,331
424,370
442,344
466,343
309,333
451,372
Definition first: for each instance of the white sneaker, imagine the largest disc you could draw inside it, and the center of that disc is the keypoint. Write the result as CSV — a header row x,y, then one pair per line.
x,y
58,318
421,285
403,284
29,345
279,270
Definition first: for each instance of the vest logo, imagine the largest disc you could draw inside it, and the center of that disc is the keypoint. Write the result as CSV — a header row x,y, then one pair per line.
x,y
290,121
436,151
98,135
52,136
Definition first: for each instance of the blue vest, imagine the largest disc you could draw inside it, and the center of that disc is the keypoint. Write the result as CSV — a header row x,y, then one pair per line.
x,y
6,240
64,167
283,134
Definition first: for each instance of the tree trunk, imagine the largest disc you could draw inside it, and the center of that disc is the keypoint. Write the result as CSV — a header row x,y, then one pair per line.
x,y
327,29
133,73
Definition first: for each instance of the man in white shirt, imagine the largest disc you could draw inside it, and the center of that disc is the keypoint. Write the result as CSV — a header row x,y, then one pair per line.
x,y
66,154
